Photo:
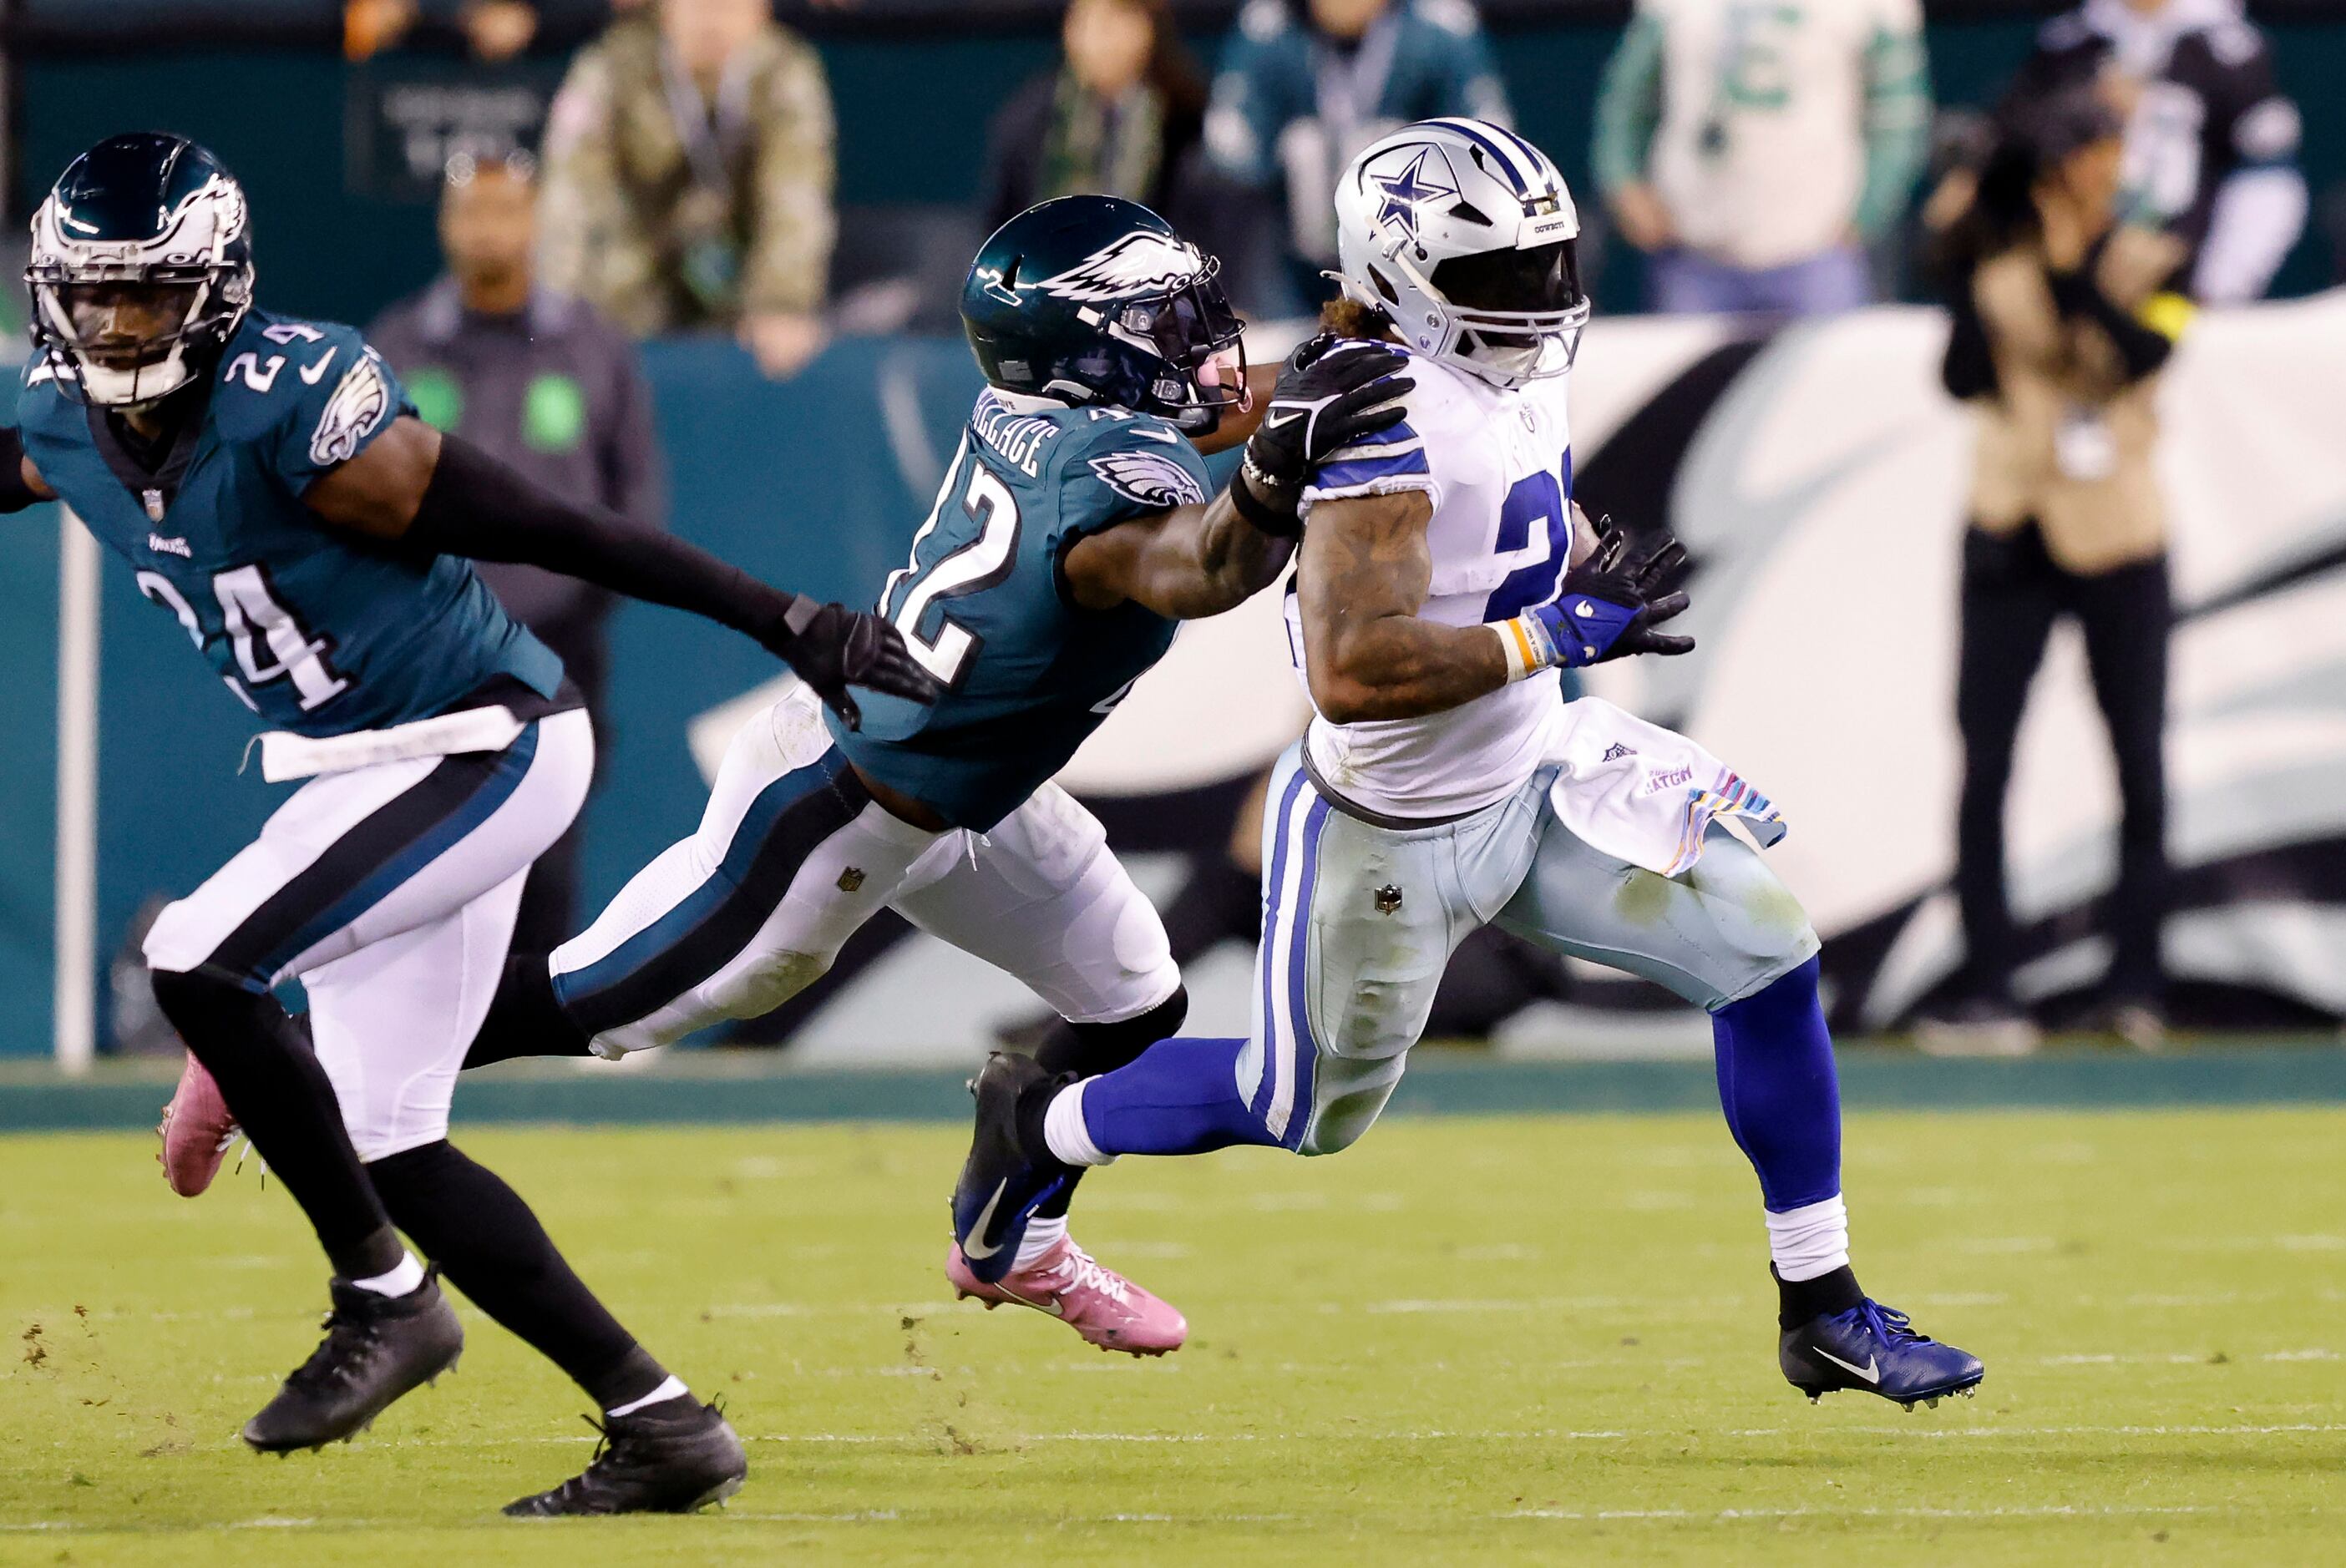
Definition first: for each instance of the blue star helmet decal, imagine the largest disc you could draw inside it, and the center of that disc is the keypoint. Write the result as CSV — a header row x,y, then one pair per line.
x,y
1412,185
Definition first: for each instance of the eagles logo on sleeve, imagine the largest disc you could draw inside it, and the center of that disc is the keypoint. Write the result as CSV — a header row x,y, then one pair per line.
x,y
1150,478
357,406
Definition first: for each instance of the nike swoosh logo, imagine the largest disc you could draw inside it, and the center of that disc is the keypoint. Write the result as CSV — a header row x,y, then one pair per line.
x,y
973,1247
312,374
1151,434
1870,1371
1276,419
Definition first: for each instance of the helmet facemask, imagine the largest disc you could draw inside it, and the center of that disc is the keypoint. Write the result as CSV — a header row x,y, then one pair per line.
x,y
1199,342
1517,313
129,319
1465,237
132,339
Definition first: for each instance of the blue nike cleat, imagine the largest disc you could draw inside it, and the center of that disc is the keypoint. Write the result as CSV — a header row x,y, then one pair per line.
x,y
1874,1350
1003,1183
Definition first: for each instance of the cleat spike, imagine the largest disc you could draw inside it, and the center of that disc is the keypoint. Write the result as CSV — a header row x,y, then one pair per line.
x,y
1908,1406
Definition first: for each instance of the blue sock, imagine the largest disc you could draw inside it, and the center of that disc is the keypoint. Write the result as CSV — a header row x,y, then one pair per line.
x,y
1779,1091
1180,1097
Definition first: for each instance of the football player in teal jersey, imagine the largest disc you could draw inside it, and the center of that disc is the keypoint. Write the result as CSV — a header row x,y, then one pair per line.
x,y
1076,526
270,486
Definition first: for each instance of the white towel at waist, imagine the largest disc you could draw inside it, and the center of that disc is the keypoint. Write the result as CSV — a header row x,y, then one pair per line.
x,y
285,756
1646,794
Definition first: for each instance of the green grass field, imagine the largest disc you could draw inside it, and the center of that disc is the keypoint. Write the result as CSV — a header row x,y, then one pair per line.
x,y
1465,1340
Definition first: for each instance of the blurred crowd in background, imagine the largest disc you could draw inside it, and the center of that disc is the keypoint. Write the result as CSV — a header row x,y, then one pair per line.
x,y
678,176
1763,157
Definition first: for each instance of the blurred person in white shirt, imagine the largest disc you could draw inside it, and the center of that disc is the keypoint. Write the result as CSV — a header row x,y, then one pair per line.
x,y
1757,150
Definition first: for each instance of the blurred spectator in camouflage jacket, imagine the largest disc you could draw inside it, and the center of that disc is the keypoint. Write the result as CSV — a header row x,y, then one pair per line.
x,y
688,179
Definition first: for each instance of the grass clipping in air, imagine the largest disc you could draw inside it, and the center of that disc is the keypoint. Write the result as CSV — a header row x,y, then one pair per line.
x,y
1466,1340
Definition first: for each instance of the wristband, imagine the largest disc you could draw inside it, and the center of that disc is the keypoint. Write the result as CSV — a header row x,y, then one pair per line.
x,y
1525,643
1265,517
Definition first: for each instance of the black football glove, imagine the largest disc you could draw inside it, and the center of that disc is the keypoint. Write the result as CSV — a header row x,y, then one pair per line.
x,y
1332,392
837,647
1610,603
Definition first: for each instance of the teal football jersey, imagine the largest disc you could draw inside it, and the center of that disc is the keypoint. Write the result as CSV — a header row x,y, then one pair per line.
x,y
982,605
317,630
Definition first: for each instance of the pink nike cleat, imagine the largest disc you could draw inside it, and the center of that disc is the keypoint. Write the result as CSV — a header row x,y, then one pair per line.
x,y
1102,1306
195,1132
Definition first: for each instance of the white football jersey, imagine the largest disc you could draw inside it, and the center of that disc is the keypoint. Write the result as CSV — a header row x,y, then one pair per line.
x,y
1497,463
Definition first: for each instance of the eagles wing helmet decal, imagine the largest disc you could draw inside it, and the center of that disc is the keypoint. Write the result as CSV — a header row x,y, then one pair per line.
x,y
1138,263
358,406
1150,478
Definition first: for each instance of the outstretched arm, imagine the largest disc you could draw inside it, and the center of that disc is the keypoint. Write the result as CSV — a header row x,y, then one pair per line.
x,y
445,494
21,485
1186,564
1364,576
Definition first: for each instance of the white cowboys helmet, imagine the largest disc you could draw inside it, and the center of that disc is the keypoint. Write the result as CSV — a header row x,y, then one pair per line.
x,y
1463,233
141,269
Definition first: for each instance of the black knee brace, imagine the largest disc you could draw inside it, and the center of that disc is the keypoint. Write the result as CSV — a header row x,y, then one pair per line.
x,y
1088,1050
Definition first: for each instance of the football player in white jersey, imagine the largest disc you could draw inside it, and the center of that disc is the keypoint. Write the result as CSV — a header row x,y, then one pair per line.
x,y
1442,785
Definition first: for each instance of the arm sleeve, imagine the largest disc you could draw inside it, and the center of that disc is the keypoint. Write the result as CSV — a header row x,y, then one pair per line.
x,y
1394,459
2142,347
789,264
1628,104
478,508
14,493
1969,369
1897,83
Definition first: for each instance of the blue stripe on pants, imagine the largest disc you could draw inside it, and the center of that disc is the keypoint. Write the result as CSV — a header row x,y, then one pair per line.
x,y
1286,1012
510,766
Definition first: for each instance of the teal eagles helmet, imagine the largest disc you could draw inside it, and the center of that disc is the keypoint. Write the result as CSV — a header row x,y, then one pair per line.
x,y
141,269
1094,300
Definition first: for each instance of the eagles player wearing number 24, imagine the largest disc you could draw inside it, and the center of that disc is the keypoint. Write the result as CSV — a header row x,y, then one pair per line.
x,y
272,488
1442,786
1074,527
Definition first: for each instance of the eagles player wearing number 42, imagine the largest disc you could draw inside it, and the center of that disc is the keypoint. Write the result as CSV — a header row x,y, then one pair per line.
x,y
1442,786
1075,528
270,486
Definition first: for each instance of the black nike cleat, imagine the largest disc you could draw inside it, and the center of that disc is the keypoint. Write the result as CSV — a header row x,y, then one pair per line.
x,y
672,1458
376,1348
1004,1180
1874,1350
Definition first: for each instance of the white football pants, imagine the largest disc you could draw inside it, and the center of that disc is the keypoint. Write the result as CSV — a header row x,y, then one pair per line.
x,y
793,855
390,892
1360,919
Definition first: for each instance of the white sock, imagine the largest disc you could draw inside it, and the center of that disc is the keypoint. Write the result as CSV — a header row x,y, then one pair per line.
x,y
1063,1129
1042,1235
1809,1240
673,1388
400,1281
